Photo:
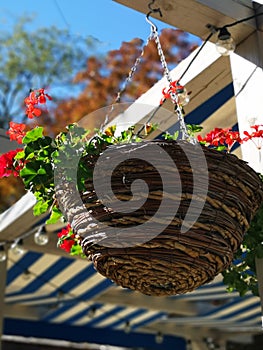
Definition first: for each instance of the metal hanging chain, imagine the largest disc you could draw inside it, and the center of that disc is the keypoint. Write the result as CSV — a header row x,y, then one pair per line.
x,y
154,35
132,71
127,81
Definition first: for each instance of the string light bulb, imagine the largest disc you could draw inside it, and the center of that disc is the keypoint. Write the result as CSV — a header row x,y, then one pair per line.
x,y
41,237
183,97
159,337
2,253
60,295
92,312
225,44
26,275
127,327
17,247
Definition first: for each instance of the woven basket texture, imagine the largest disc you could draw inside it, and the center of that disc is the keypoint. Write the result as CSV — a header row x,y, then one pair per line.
x,y
174,261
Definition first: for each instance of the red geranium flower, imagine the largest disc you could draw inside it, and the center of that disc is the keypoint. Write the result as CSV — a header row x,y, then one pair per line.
x,y
32,111
218,136
7,166
35,97
258,134
66,239
174,89
16,131
42,95
64,232
67,245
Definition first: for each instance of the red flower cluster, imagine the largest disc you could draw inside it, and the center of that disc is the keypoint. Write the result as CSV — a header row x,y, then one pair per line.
x,y
16,131
35,97
8,165
174,89
257,133
220,137
66,239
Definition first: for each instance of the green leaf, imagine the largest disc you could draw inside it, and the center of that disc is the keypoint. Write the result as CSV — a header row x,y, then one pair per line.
x,y
28,171
33,135
41,171
220,148
76,250
44,141
30,156
193,128
168,136
20,155
40,207
55,216
230,289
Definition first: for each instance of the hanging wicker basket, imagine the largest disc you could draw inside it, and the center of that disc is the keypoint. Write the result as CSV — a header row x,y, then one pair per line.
x,y
175,261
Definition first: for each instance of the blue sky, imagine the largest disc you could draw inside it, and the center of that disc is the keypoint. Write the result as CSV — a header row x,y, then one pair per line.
x,y
109,22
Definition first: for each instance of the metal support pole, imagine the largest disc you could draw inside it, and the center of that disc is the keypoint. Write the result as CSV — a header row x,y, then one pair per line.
x,y
259,269
247,79
3,270
259,25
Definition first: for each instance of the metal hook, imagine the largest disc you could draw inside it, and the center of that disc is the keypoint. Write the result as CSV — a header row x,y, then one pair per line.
x,y
152,10
154,28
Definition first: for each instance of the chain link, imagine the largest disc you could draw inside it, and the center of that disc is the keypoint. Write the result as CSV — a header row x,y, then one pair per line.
x,y
127,80
132,71
155,36
174,97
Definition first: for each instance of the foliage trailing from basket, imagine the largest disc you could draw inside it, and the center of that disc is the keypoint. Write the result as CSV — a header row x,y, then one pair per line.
x,y
36,161
241,276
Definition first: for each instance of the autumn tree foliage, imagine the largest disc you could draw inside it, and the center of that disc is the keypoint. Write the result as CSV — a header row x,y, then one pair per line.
x,y
104,77
30,60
